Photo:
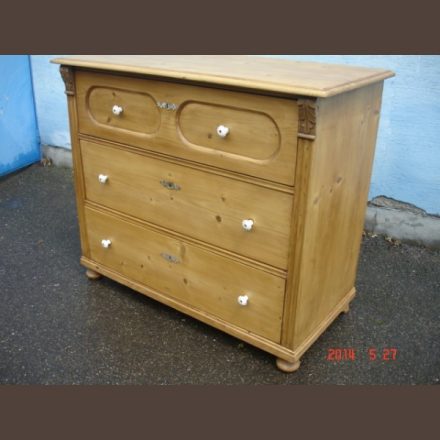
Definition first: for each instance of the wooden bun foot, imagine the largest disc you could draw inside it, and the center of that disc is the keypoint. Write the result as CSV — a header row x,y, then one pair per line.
x,y
346,309
92,275
287,367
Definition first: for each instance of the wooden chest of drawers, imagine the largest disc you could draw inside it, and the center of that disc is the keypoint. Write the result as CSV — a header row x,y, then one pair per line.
x,y
230,188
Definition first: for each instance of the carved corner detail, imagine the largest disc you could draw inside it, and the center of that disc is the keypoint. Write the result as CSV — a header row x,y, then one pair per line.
x,y
307,110
67,75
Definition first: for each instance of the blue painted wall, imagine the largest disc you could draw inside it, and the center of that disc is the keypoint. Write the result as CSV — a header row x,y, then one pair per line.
x,y
50,102
407,162
19,142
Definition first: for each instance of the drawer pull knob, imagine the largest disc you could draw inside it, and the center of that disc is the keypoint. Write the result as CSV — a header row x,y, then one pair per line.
x,y
106,243
222,131
247,224
243,300
117,110
170,185
102,178
170,258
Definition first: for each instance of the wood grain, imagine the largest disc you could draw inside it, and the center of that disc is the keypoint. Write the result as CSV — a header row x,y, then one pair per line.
x,y
333,314
207,207
267,152
239,332
140,112
253,135
69,76
249,72
193,275
188,239
333,178
193,165
297,160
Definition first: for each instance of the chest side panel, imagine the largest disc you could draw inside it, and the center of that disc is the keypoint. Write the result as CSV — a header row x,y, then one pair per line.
x,y
332,189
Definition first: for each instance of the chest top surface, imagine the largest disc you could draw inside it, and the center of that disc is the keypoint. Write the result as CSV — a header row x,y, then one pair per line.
x,y
250,72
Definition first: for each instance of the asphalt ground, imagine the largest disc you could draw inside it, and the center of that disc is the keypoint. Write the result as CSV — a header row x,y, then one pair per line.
x,y
58,327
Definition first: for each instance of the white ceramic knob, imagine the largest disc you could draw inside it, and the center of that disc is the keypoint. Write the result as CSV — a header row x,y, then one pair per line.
x,y
247,224
243,300
117,110
102,178
222,131
106,243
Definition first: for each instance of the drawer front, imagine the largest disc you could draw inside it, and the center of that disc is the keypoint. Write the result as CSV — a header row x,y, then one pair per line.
x,y
249,134
197,277
205,206
133,112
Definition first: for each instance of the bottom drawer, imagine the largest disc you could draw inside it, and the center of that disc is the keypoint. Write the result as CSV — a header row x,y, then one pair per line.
x,y
200,278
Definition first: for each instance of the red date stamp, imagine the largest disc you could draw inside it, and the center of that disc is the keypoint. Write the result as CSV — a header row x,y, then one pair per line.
x,y
341,354
350,354
387,354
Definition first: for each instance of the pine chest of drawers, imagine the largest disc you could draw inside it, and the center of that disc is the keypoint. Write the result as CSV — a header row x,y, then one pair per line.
x,y
231,188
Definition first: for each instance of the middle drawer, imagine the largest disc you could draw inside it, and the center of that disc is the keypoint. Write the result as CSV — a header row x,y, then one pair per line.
x,y
205,206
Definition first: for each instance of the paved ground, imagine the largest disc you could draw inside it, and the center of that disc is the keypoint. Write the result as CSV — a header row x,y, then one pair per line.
x,y
57,327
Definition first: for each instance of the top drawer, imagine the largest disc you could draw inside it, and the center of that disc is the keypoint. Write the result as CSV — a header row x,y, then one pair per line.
x,y
249,134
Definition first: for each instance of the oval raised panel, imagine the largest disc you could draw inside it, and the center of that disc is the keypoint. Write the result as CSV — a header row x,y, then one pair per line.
x,y
251,135
139,110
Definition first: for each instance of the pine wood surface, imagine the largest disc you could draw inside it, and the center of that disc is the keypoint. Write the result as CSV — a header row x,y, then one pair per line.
x,y
258,73
299,165
263,130
208,207
333,178
196,277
